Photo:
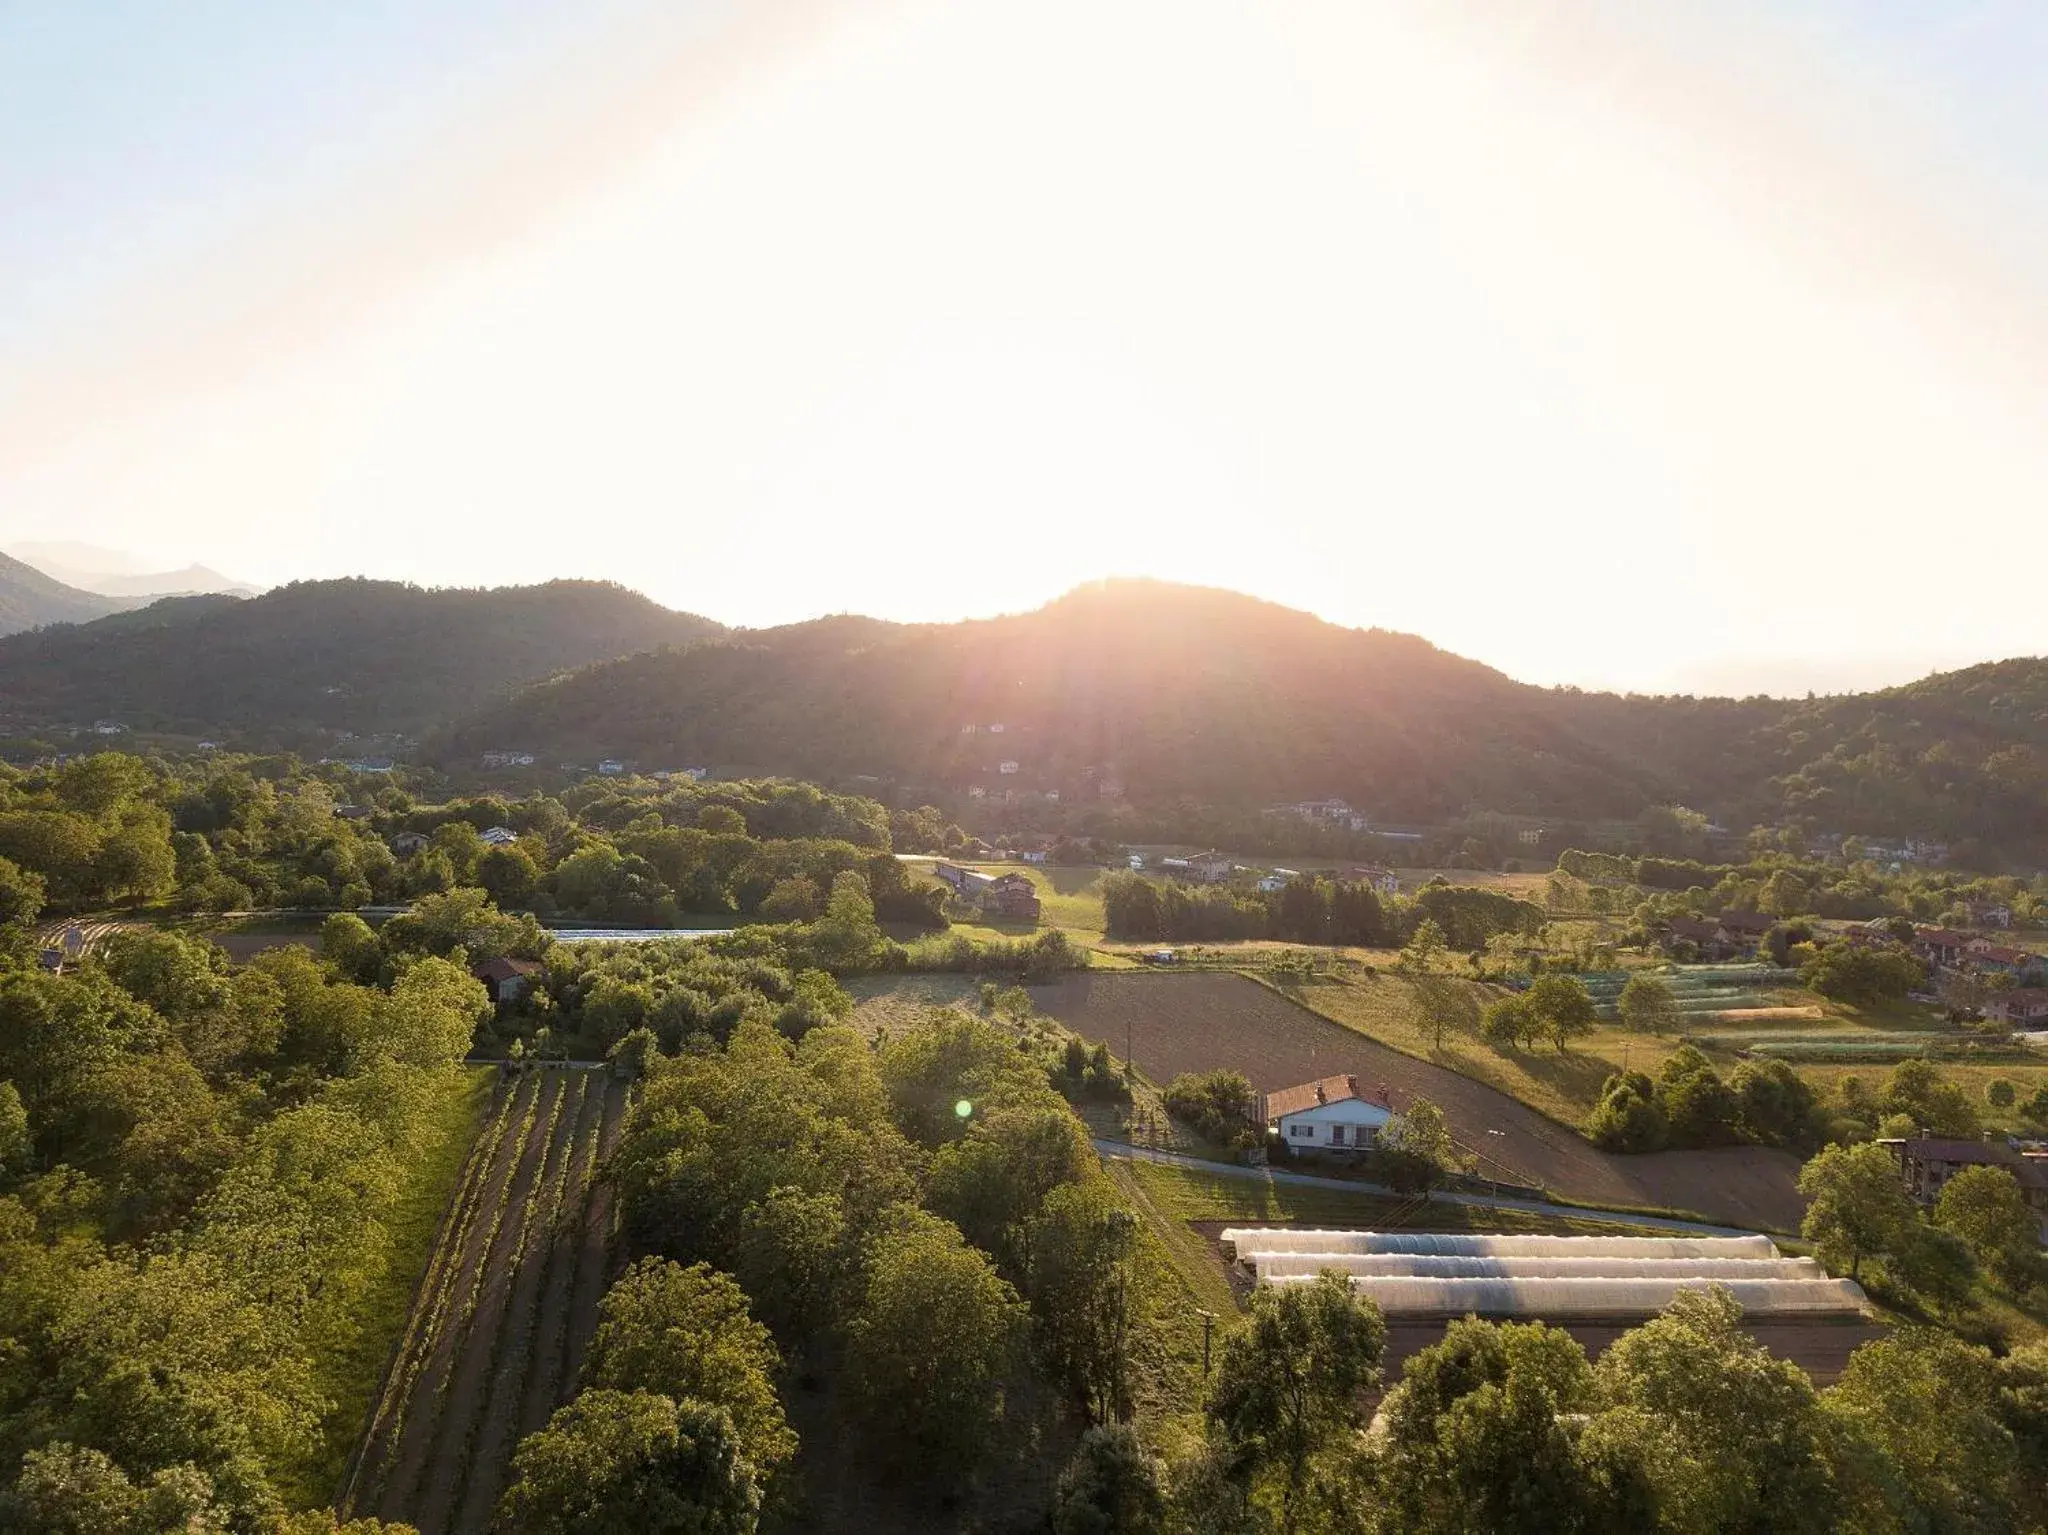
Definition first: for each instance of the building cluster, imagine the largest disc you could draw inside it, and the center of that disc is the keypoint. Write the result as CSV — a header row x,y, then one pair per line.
x,y
1926,1163
1731,935
1007,896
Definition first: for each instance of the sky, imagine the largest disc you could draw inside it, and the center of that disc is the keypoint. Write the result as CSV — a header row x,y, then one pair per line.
x,y
1671,345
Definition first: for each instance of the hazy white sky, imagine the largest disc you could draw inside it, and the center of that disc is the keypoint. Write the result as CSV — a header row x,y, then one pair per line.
x,y
1696,345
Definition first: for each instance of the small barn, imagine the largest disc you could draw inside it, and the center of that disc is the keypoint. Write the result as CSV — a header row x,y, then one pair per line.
x,y
1330,1114
507,980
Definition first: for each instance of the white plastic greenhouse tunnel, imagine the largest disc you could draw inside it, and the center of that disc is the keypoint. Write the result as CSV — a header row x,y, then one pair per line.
x,y
1453,1274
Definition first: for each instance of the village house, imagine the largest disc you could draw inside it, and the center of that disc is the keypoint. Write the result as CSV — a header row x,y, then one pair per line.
x,y
507,759
2001,959
355,812
1000,895
1939,946
1731,935
406,843
1326,1114
1006,767
1278,879
507,980
1203,868
611,767
1385,881
1928,1162
1988,914
2025,1007
500,836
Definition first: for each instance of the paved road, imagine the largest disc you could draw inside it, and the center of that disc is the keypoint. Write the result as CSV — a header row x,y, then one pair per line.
x,y
1477,1201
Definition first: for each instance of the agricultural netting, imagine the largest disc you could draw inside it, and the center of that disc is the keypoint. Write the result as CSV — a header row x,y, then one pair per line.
x,y
1592,1295
1436,1266
1257,1239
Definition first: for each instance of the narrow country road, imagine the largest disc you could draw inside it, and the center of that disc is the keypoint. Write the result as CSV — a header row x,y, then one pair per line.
x,y
1476,1201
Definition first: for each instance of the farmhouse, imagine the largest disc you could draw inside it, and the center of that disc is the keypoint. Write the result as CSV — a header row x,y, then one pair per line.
x,y
1385,881
1331,1112
1004,895
611,767
1204,868
2026,1005
500,836
406,843
507,980
1928,1162
1940,946
1278,879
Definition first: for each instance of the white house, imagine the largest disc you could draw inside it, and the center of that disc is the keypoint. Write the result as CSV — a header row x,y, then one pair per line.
x,y
1006,767
1325,1114
611,767
1278,879
501,836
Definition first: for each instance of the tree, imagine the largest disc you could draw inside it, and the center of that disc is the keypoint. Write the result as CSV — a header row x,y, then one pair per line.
x,y
686,1334
1774,1105
2000,1094
1648,1004
1563,1005
1698,1105
22,894
927,1353
1419,1148
1510,1021
1290,1379
349,946
1630,1115
992,1182
1929,1404
1730,1437
1858,1208
1111,1486
1082,1302
17,1147
65,1489
1478,1436
794,1262
1985,1207
1219,1106
507,874
619,1463
1420,953
1918,1092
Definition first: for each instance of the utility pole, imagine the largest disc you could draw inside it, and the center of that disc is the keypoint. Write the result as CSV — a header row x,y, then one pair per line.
x,y
1208,1328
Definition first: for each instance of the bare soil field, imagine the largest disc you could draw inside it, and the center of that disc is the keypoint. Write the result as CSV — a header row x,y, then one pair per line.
x,y
487,1354
1202,1022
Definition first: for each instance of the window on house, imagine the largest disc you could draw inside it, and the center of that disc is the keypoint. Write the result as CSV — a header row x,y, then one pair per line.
x,y
1336,1135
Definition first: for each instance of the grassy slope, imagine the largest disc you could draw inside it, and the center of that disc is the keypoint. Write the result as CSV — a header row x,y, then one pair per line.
x,y
348,1374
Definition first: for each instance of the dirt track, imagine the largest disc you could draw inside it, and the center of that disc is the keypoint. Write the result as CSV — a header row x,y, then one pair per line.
x,y
487,1352
1206,1021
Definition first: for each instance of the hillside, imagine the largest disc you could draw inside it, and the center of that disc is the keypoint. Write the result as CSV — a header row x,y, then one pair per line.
x,y
1171,691
1177,692
112,573
355,655
29,598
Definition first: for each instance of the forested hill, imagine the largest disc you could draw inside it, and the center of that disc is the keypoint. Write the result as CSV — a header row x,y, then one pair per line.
x,y
1177,692
356,655
1170,691
29,598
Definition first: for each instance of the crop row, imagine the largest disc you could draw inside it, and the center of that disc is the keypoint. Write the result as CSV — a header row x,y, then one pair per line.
x,y
387,1425
554,1159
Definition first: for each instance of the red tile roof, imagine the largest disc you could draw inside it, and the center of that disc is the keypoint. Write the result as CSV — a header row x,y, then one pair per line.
x,y
1292,1100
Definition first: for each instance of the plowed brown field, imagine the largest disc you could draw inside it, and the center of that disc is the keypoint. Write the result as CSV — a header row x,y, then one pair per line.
x,y
1207,1021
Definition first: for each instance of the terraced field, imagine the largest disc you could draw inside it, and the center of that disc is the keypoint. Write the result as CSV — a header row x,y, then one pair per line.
x,y
504,1311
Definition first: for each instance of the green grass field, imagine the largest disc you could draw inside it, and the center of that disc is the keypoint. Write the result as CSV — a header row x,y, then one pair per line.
x,y
349,1373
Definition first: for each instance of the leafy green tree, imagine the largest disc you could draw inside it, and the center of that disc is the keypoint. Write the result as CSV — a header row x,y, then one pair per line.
x,y
22,894
1417,1149
1936,1265
2000,1094
793,1260
686,1334
846,935
1929,1404
350,948
1648,1004
1111,1486
992,1182
1699,1107
430,1018
1630,1115
1478,1436
1510,1022
1082,1292
1290,1381
1729,1437
456,919
1857,1206
508,875
936,1335
65,1489
1563,1005
1423,947
1919,1093
1774,1105
1986,1209
620,1463
1219,1106
17,1146
1846,972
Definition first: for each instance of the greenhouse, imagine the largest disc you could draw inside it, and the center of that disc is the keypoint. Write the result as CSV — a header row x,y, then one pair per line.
x,y
1431,1266
1555,1277
1242,1241
1590,1296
